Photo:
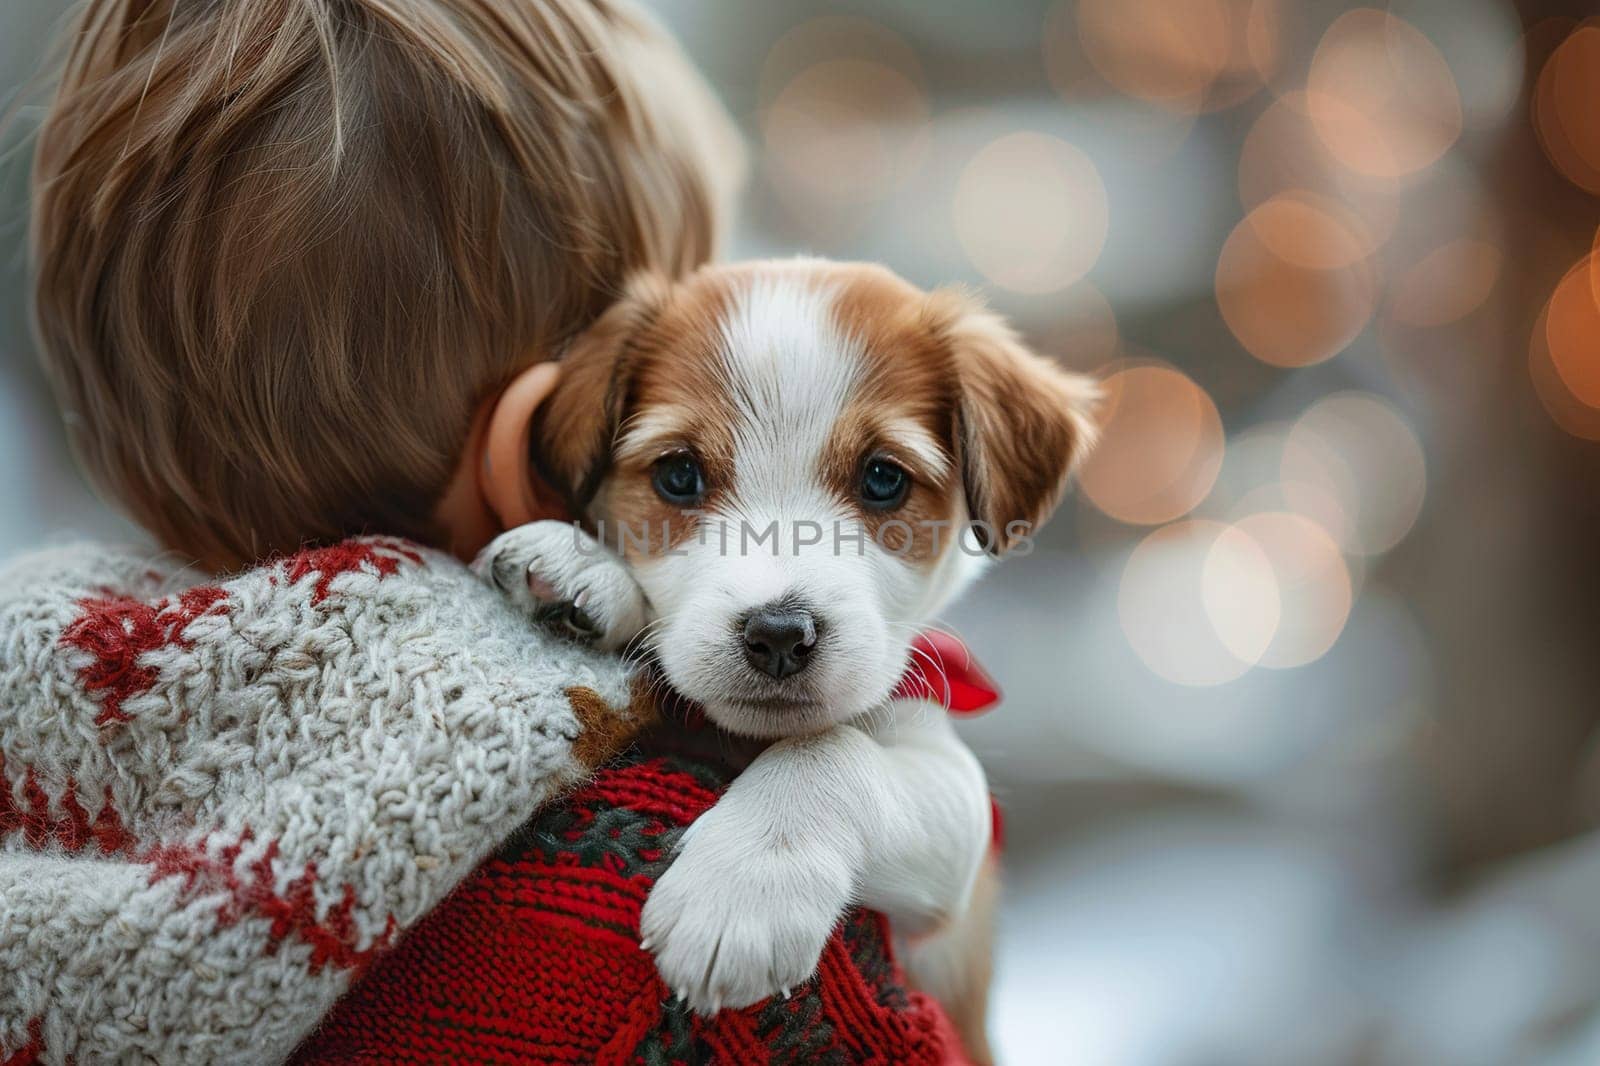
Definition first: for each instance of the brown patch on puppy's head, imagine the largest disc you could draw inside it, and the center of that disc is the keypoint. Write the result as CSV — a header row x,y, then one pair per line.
x,y
574,430
945,375
1023,422
636,386
903,410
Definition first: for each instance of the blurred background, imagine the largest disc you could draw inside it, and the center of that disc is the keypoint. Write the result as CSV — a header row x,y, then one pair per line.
x,y
1299,752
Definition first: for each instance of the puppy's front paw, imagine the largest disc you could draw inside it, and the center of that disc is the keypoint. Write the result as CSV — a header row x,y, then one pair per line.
x,y
564,577
731,923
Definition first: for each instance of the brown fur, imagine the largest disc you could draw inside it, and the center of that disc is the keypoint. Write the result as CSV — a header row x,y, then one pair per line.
x,y
606,730
1023,422
908,379
574,430
1015,423
651,352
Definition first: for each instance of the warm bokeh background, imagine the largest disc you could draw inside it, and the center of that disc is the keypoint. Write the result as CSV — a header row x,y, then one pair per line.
x,y
1299,751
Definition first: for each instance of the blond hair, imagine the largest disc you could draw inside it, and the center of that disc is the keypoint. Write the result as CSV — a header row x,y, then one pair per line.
x,y
285,248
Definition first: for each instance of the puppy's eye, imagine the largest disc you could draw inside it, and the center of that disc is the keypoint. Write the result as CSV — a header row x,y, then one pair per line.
x,y
678,479
884,485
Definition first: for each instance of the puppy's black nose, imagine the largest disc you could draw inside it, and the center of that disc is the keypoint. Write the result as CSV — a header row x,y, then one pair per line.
x,y
778,641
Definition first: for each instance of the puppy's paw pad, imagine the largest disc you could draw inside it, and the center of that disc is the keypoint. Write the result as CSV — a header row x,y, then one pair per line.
x,y
539,587
566,579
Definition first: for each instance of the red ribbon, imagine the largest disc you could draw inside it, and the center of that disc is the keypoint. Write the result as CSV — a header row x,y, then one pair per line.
x,y
943,670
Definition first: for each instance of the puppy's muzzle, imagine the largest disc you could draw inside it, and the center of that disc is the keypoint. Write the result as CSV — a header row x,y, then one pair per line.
x,y
779,640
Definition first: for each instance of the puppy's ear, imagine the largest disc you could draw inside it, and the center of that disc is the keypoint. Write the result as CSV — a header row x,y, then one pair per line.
x,y
575,428
1023,422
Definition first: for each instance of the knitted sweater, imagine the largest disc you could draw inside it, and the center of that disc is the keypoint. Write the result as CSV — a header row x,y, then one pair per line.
x,y
536,959
223,803
219,801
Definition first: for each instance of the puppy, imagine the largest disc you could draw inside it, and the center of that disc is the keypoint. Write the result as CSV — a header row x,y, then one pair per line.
x,y
784,469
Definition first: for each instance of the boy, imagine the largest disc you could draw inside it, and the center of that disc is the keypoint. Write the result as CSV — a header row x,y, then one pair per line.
x,y
301,268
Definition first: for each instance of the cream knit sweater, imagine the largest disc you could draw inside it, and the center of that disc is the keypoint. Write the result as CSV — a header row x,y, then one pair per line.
x,y
219,800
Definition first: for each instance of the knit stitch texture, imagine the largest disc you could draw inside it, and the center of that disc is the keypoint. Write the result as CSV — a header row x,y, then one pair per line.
x,y
220,801
536,959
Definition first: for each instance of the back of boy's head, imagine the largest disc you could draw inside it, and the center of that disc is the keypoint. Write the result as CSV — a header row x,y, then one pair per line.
x,y
285,248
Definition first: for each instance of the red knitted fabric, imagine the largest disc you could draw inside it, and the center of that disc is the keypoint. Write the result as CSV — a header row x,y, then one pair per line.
x,y
536,958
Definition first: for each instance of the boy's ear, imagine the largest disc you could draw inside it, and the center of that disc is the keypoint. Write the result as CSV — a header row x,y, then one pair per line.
x,y
1023,423
573,431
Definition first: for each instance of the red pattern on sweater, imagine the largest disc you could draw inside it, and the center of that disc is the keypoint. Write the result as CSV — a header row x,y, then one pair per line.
x,y
108,830
32,1051
71,829
206,869
535,958
117,632
382,556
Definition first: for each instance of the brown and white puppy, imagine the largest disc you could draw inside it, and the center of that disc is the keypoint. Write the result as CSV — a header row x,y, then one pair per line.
x,y
792,466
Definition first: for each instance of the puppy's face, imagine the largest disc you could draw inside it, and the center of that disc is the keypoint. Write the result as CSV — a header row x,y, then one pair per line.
x,y
801,462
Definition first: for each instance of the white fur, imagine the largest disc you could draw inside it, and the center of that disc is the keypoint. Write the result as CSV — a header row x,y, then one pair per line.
x,y
916,442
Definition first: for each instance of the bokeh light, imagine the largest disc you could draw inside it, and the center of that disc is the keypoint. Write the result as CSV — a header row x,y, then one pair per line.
x,y
1311,231
1447,284
1292,283
1564,104
1031,213
1252,483
1355,449
1481,40
1253,459
1198,602
1594,271
1381,96
1158,132
1572,333
1282,155
1566,410
1447,267
1160,449
834,37
1195,56
1314,586
846,131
